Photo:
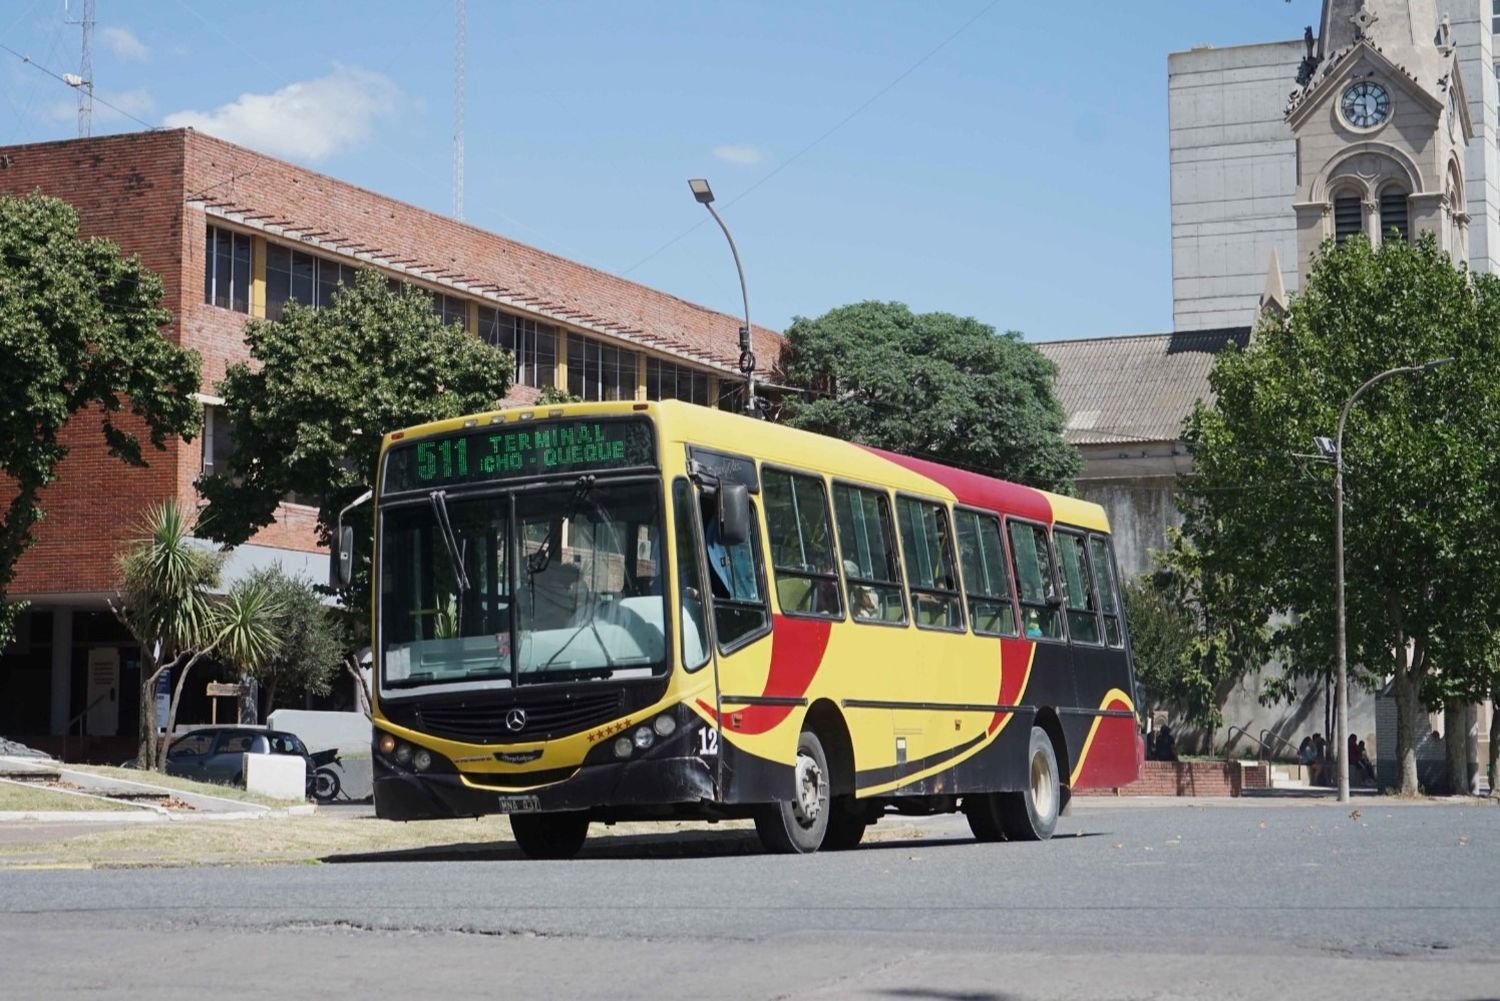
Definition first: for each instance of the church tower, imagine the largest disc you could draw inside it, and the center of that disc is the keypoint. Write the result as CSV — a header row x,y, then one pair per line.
x,y
1381,126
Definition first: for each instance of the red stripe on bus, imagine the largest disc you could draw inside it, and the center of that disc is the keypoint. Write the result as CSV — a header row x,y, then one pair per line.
x,y
797,647
976,490
1015,658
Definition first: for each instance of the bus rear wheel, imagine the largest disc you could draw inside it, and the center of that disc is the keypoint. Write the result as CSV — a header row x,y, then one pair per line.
x,y
549,835
1031,815
799,826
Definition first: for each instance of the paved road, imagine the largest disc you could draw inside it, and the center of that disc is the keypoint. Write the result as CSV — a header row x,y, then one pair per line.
x,y
1256,900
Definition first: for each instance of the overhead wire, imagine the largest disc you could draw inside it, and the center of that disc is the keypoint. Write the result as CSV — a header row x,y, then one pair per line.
x,y
59,78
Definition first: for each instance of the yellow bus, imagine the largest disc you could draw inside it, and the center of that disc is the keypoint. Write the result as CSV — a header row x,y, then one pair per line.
x,y
626,611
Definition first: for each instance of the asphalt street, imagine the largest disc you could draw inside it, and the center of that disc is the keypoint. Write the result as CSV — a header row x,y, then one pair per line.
x,y
1254,900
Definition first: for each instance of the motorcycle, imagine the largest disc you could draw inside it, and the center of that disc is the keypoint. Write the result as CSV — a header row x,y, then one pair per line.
x,y
323,783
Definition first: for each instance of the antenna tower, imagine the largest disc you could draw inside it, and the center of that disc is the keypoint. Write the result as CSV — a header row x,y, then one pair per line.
x,y
85,67
461,43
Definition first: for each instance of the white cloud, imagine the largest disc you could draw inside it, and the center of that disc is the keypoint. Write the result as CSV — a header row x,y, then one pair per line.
x,y
310,120
124,44
738,154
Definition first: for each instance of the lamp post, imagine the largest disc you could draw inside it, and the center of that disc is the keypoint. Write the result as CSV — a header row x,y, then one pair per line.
x,y
1341,713
705,196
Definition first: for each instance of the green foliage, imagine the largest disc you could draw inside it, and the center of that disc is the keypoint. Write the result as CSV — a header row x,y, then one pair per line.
x,y
79,330
550,395
1182,662
168,598
933,385
1422,471
8,615
312,647
307,417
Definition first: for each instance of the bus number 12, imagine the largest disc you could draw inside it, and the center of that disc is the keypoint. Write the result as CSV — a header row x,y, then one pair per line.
x,y
708,741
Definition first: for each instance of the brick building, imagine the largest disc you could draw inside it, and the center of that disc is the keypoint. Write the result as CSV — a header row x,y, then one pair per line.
x,y
234,235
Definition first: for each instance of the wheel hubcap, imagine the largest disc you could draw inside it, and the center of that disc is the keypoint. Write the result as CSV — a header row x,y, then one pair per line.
x,y
811,791
1043,785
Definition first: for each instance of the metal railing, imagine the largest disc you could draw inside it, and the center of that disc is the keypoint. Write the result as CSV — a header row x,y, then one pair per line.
x,y
1267,732
1229,740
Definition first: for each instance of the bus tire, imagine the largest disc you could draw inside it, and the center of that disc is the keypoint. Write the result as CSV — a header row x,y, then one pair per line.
x,y
985,815
846,825
549,835
1031,815
798,827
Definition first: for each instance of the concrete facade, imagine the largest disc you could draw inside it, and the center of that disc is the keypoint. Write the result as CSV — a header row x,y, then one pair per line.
x,y
1239,165
1233,175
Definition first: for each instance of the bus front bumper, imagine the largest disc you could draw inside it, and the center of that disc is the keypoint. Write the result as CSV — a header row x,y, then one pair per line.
x,y
404,795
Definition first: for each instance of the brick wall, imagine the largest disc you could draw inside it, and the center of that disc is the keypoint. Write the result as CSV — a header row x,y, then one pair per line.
x,y
1192,778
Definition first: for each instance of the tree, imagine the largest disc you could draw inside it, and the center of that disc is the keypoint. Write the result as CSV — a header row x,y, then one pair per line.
x,y
79,330
311,650
933,385
307,417
1422,476
167,599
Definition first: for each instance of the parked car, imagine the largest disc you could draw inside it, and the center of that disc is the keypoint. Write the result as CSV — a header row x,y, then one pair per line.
x,y
216,753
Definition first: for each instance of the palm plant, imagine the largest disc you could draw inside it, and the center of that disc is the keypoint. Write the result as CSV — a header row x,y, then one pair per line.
x,y
168,597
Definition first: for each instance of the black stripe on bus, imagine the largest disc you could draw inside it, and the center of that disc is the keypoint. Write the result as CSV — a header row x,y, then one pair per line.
x,y
762,700
881,776
957,707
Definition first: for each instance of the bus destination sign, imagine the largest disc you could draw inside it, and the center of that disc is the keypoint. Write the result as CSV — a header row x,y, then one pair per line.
x,y
516,451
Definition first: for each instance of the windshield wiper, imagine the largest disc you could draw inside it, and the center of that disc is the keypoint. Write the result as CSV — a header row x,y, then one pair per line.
x,y
539,560
439,501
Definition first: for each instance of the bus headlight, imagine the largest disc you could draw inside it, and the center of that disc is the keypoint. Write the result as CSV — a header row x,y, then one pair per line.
x,y
422,760
644,738
664,725
387,743
403,754
623,747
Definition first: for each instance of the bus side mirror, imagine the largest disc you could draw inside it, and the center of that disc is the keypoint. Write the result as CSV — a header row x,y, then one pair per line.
x,y
734,514
341,560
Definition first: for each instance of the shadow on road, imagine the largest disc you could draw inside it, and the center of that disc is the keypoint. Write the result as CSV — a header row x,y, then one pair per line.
x,y
705,844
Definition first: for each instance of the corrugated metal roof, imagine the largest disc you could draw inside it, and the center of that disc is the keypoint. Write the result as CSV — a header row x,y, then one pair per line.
x,y
1135,389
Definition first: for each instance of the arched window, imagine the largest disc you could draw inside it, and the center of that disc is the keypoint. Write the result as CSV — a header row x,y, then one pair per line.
x,y
1348,217
1393,214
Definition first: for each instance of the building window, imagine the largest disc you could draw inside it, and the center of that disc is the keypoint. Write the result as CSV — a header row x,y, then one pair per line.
x,y
732,395
218,445
533,345
293,276
666,381
600,371
1393,215
1348,217
451,309
1495,17
226,269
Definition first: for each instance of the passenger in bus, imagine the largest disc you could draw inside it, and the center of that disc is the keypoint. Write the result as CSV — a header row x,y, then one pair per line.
x,y
866,603
1033,623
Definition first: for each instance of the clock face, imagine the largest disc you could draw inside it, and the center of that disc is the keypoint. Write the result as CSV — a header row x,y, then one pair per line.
x,y
1365,104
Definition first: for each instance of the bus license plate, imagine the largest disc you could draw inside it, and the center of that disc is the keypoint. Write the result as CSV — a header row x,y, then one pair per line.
x,y
519,804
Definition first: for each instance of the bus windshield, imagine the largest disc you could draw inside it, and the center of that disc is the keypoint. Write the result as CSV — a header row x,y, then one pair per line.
x,y
588,592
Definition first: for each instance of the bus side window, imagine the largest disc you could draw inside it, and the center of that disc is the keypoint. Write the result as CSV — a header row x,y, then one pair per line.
x,y
1078,588
930,573
734,576
689,579
1109,592
872,571
807,576
986,582
1032,563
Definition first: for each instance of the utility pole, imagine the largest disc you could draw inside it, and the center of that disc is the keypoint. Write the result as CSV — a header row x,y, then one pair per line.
x,y
461,44
85,85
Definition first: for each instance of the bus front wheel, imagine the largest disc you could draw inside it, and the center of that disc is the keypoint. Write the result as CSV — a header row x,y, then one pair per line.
x,y
798,827
549,835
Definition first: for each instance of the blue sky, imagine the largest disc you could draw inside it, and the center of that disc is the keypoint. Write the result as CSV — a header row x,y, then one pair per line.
x,y
1018,174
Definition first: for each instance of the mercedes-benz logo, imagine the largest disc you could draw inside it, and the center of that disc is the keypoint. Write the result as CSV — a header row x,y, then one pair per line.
x,y
515,720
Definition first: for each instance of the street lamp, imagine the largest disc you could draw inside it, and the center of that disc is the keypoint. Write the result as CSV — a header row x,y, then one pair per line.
x,y
1341,712
705,196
